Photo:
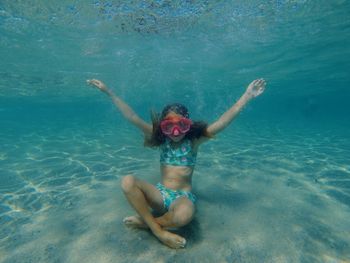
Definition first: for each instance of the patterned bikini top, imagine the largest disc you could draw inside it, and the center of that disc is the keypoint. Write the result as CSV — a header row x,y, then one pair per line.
x,y
183,155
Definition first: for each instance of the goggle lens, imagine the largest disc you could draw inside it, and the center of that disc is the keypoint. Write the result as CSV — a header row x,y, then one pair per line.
x,y
168,126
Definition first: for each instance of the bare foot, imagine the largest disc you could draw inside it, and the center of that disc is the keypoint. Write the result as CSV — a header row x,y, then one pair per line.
x,y
134,221
167,238
171,240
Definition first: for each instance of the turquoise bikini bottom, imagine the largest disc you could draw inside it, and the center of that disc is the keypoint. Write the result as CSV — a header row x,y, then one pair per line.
x,y
169,195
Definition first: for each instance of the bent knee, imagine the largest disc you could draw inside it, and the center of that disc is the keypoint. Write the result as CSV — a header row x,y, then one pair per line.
x,y
127,183
182,218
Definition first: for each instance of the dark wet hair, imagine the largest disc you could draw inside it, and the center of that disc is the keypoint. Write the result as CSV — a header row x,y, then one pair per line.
x,y
197,130
177,108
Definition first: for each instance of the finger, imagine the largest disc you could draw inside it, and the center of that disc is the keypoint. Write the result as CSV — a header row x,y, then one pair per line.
x,y
94,82
91,81
262,82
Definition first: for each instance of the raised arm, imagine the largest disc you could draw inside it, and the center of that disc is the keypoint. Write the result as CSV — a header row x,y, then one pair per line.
x,y
253,90
124,108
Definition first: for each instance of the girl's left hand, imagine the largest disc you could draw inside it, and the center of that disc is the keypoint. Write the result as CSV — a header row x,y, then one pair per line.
x,y
256,87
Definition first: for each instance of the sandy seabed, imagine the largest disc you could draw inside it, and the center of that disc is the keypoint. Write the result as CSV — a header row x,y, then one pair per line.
x,y
284,199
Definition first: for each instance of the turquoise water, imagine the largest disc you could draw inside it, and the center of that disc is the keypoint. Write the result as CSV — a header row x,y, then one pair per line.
x,y
273,187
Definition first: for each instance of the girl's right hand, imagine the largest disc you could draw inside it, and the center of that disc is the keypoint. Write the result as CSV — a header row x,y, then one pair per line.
x,y
98,84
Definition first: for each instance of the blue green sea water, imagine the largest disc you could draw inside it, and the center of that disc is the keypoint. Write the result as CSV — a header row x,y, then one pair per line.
x,y
272,187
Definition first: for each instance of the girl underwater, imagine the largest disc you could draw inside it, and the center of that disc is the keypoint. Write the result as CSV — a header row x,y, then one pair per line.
x,y
178,138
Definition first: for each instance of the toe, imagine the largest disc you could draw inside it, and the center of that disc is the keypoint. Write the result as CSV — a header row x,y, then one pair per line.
x,y
128,219
181,243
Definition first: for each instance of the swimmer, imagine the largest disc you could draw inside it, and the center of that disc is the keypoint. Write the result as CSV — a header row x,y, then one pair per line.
x,y
178,137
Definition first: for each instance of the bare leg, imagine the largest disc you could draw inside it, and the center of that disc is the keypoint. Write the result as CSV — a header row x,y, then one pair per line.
x,y
137,192
180,214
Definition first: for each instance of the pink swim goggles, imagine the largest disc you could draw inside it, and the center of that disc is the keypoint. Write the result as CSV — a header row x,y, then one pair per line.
x,y
175,126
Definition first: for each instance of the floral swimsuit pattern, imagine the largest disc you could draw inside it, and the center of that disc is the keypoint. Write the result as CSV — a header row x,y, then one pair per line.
x,y
169,195
183,155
